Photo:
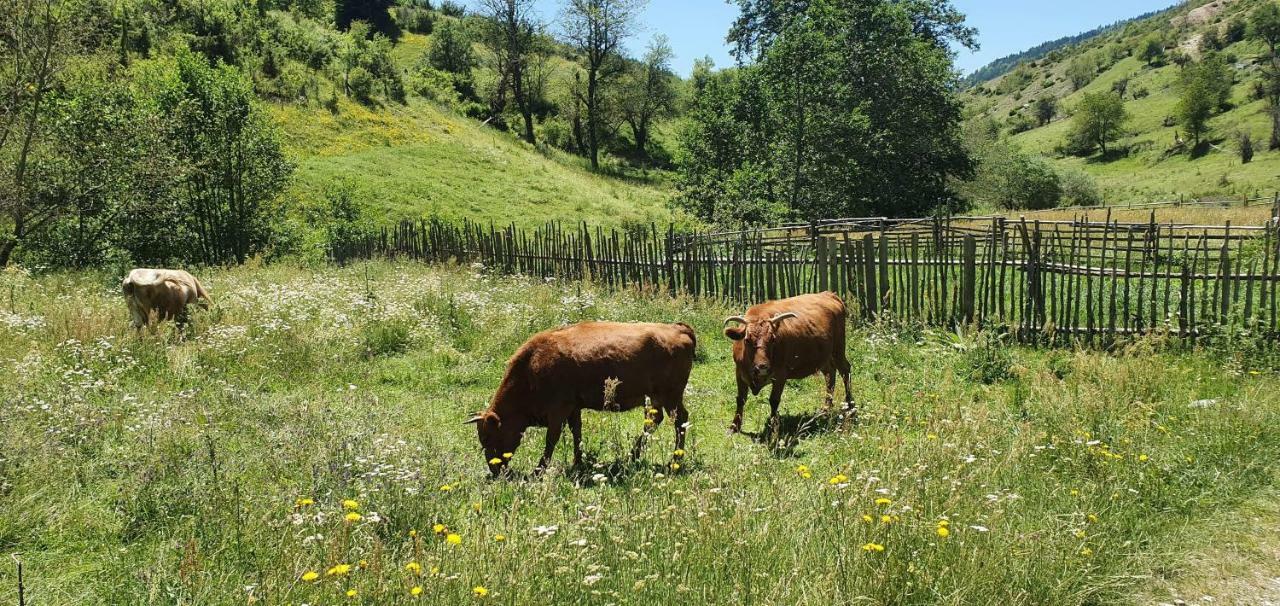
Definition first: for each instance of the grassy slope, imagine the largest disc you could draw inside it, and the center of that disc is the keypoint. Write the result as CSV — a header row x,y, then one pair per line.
x,y
1151,171
423,160
176,466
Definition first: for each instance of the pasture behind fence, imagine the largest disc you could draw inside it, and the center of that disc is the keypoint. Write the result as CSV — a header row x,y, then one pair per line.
x,y
1091,280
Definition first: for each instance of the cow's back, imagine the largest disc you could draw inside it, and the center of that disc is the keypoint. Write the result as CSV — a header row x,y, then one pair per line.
x,y
577,361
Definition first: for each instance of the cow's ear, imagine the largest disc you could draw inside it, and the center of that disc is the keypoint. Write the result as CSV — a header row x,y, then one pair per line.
x,y
735,333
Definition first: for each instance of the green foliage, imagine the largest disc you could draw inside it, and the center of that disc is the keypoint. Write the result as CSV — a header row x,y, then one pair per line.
x,y
1046,108
234,166
1082,70
1151,49
1205,87
376,13
813,142
1099,119
1079,188
367,65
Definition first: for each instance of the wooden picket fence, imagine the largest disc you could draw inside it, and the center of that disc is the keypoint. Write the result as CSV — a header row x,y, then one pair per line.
x,y
1080,279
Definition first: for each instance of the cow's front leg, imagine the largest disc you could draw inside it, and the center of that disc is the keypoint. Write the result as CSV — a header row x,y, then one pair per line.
x,y
553,436
736,425
775,400
575,426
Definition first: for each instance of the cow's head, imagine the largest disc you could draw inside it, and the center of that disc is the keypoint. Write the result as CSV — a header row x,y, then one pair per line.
x,y
498,442
759,340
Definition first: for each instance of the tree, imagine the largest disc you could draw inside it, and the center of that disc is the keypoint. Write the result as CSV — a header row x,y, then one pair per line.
x,y
35,43
649,92
235,166
821,128
1151,49
1205,88
1264,24
1046,109
1099,119
451,48
374,12
1081,71
596,29
510,33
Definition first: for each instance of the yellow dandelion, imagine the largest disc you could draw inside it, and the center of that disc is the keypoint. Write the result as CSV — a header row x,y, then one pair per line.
x,y
438,528
867,518
675,467
886,519
883,501
1075,493
493,461
351,504
341,570
508,455
476,507
304,502
873,547
416,591
944,523
351,593
448,487
453,539
479,591
1086,552
679,452
363,564
435,570
1080,534
413,534
648,422
1093,518
944,532
1143,458
413,567
838,479
352,517
310,576
499,537
932,436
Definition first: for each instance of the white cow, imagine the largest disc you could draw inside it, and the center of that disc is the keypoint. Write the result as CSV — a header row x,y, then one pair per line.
x,y
161,294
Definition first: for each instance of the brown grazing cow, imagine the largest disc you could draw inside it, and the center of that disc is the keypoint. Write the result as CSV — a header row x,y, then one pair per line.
x,y
162,294
605,366
789,339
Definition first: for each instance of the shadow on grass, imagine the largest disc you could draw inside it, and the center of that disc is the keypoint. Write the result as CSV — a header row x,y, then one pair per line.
x,y
784,434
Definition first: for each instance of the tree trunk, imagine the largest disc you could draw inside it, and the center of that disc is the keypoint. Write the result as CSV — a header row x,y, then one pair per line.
x,y
1275,128
6,252
593,125
522,100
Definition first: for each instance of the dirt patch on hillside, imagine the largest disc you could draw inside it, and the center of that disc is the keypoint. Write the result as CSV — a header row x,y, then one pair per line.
x,y
1202,15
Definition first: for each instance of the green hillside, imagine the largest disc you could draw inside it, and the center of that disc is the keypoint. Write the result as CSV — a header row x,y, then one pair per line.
x,y
1149,164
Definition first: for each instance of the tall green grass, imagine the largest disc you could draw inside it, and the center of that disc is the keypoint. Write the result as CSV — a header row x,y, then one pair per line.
x,y
211,467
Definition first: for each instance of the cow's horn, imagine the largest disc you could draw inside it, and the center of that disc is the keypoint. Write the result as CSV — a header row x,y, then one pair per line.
x,y
476,419
738,319
782,316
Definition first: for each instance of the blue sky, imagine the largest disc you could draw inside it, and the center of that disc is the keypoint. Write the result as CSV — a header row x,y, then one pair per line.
x,y
697,27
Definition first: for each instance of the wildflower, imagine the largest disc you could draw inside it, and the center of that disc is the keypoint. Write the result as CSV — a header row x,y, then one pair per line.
x,y
508,455
479,591
867,518
447,487
1075,493
435,570
944,532
838,479
363,564
875,547
1093,518
416,591
304,502
352,517
499,537
1079,534
1143,458
476,507
351,593
413,567
675,467
932,436
493,461
886,519
310,576
883,501
648,422
413,534
340,570
438,528
351,504
1086,552
453,539
679,452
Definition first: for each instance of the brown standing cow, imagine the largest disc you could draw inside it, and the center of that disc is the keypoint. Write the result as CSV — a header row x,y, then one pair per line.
x,y
557,373
789,339
162,294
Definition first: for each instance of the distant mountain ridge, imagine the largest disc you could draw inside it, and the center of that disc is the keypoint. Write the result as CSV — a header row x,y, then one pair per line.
x,y
1005,64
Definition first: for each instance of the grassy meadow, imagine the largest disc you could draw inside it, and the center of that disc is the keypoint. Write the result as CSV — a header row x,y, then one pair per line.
x,y
304,444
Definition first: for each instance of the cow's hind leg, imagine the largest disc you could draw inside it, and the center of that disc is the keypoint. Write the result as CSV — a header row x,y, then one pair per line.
x,y
842,365
829,375
575,426
679,415
652,419
553,436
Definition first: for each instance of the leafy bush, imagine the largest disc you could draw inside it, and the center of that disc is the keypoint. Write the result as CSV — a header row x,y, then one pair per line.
x,y
1080,189
360,84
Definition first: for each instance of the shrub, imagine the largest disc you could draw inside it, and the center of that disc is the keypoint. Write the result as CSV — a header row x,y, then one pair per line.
x,y
1080,189
360,84
386,337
